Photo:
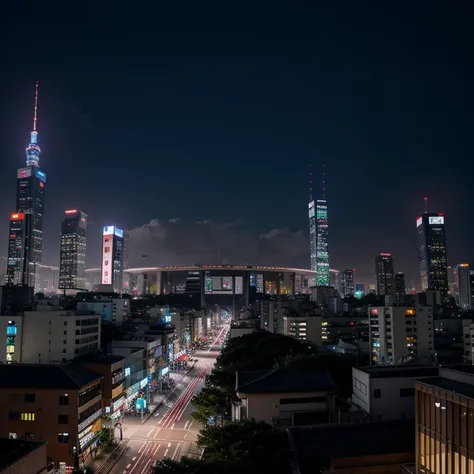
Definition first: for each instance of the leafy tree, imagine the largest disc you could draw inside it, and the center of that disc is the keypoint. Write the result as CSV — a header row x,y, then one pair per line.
x,y
195,466
210,401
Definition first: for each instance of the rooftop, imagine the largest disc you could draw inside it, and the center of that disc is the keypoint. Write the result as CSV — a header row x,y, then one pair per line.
x,y
12,450
100,358
351,440
389,371
44,376
282,380
450,386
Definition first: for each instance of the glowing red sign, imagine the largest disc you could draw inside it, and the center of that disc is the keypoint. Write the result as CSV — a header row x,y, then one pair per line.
x,y
17,216
71,211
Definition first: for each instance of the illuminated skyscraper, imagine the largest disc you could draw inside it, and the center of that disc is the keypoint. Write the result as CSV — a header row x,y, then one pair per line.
x,y
384,274
464,284
400,288
112,258
16,249
72,265
432,252
318,232
347,283
30,202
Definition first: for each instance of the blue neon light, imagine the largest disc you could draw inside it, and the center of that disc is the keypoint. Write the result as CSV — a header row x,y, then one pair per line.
x,y
118,232
41,175
11,330
109,230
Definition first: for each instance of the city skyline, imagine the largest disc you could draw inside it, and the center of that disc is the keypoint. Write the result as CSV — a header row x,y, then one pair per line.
x,y
80,131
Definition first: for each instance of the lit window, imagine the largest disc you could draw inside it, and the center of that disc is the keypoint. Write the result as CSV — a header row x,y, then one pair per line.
x,y
28,417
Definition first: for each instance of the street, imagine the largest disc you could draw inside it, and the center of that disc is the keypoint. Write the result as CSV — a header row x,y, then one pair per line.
x,y
171,431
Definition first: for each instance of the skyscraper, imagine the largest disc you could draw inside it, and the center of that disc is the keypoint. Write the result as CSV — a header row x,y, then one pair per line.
x,y
112,258
464,284
347,283
30,202
318,232
72,265
432,252
400,288
384,274
16,249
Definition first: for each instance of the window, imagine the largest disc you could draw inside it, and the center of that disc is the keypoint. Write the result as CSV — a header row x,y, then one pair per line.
x,y
64,399
407,392
63,420
377,393
63,437
14,415
65,323
30,397
65,333
27,417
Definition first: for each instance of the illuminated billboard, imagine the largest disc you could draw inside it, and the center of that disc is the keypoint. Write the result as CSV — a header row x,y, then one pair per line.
x,y
239,285
419,221
436,220
24,173
107,259
227,283
260,286
109,230
17,216
119,232
41,175
208,285
311,209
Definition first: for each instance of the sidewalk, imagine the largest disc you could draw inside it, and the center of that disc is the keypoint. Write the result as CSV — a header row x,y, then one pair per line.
x,y
159,399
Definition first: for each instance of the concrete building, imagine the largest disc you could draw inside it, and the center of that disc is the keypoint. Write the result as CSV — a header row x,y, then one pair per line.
x,y
387,393
304,327
48,335
468,342
444,408
284,397
59,404
384,274
401,333
463,274
18,456
111,307
347,283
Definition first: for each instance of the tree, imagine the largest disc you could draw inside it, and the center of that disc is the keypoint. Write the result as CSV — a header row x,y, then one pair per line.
x,y
210,401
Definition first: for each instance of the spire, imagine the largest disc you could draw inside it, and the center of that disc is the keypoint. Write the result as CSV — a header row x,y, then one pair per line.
x,y
35,117
323,182
310,182
426,205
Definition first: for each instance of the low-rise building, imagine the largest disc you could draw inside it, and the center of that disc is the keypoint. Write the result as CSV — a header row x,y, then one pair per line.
x,y
59,404
48,335
387,392
18,456
304,327
284,397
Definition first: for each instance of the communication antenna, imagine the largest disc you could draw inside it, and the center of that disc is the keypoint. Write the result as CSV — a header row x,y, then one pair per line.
x,y
310,182
426,205
35,117
323,182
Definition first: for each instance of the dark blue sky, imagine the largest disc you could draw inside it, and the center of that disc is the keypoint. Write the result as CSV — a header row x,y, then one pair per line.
x,y
214,109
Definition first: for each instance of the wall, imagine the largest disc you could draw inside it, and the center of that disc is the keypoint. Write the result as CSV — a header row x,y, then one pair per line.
x,y
34,462
361,389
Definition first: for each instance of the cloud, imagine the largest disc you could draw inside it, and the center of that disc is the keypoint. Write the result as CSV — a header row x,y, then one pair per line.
x,y
181,242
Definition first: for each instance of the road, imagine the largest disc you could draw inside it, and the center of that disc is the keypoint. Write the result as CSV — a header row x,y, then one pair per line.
x,y
170,432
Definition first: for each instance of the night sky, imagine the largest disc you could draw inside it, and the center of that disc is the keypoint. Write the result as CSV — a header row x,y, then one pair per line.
x,y
211,111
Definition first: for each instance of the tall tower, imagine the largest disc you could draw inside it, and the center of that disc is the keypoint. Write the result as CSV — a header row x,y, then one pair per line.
x,y
312,228
432,251
112,258
31,182
72,265
384,274
464,285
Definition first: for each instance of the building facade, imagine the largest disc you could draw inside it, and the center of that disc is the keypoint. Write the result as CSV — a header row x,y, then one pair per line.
x,y
112,258
16,262
432,252
384,274
463,274
73,251
400,288
347,283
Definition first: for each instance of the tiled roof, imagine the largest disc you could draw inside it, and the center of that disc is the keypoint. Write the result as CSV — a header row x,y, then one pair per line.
x,y
45,376
283,380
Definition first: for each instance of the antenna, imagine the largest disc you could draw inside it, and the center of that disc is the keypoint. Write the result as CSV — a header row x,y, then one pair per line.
x,y
310,182
35,117
426,204
323,182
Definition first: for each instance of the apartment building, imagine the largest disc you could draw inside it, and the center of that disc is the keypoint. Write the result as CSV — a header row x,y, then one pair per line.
x,y
59,404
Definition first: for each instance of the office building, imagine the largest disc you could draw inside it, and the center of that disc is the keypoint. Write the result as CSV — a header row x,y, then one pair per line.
x,y
31,182
384,274
444,408
432,252
303,326
347,283
112,258
335,279
59,404
400,289
463,274
453,283
312,240
48,335
72,265
16,262
398,334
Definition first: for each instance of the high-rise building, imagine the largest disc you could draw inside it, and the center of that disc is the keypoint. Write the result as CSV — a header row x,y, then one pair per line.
x,y
16,249
453,286
72,265
432,252
384,274
30,202
112,257
463,273
318,233
335,279
347,283
400,289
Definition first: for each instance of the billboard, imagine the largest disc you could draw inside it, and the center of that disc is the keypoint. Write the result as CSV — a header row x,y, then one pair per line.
x,y
107,257
119,232
260,288
239,285
419,221
436,220
109,230
311,209
24,173
17,216
41,176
